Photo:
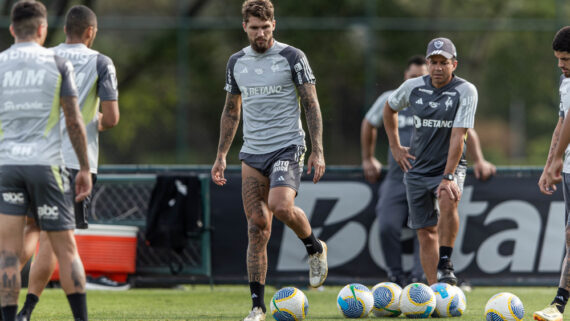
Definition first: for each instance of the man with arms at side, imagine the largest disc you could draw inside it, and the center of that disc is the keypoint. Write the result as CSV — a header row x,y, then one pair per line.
x,y
392,206
443,107
96,81
557,169
31,164
265,78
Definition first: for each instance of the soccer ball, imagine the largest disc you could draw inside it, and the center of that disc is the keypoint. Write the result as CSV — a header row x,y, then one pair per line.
x,y
447,300
462,303
289,304
355,301
386,299
417,301
504,306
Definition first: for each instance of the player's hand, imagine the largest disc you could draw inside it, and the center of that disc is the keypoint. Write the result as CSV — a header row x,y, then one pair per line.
x,y
316,161
449,187
83,185
484,170
553,172
372,169
402,156
218,171
543,186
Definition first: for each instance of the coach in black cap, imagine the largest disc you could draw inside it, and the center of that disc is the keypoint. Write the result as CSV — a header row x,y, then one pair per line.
x,y
443,106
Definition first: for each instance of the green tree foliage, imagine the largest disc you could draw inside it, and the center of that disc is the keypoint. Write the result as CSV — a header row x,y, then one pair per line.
x,y
357,49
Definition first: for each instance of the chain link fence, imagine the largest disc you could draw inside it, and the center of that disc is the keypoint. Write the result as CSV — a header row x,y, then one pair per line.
x,y
123,199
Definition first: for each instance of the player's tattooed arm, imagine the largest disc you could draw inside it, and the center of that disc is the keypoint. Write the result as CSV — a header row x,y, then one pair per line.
x,y
310,102
229,122
75,129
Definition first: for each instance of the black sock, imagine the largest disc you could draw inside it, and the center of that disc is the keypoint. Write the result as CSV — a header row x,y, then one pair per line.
x,y
445,253
29,305
257,293
561,299
9,312
312,244
78,304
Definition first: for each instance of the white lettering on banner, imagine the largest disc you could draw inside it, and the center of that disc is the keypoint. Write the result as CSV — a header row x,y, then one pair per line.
x,y
552,251
525,237
351,199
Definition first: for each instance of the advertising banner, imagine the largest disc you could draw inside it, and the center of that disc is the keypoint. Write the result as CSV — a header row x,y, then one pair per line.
x,y
509,232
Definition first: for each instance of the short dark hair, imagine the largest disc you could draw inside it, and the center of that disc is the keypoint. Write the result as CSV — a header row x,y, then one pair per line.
x,y
561,40
26,17
78,19
416,60
262,9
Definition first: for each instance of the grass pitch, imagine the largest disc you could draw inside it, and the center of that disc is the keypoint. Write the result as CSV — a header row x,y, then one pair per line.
x,y
232,303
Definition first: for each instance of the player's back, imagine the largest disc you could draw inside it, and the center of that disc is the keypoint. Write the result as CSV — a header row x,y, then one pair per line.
x,y
88,65
30,79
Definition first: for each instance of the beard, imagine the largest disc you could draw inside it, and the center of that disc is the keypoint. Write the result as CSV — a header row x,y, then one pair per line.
x,y
261,47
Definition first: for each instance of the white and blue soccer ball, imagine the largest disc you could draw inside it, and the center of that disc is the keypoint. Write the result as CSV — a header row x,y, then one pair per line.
x,y
504,306
355,301
462,306
386,299
447,300
417,301
289,304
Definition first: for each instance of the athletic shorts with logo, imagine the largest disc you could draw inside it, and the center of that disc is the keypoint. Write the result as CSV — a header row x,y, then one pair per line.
x,y
81,209
40,189
422,200
284,166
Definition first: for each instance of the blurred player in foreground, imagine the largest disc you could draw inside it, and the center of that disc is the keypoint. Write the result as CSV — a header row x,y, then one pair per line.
x,y
95,76
443,107
32,172
392,206
557,170
264,78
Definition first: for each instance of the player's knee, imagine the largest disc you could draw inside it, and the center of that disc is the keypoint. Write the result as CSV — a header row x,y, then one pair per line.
x,y
427,235
259,232
283,211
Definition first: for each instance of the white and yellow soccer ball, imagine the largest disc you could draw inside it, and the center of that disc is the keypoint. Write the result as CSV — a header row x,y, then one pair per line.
x,y
504,306
289,304
355,301
417,301
386,299
462,306
447,300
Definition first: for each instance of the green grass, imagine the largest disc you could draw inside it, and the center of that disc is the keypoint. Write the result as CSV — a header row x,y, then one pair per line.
x,y
233,303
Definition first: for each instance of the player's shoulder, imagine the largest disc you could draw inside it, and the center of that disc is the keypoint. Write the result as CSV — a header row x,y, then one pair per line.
x,y
103,59
464,86
416,82
288,50
235,56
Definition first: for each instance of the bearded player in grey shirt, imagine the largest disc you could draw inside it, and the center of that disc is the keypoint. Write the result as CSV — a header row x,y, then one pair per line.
x,y
264,78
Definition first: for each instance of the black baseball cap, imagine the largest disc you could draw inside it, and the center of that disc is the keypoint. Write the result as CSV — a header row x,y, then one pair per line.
x,y
441,46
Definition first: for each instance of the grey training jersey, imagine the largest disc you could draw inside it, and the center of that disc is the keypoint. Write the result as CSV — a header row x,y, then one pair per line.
x,y
563,112
436,111
96,80
33,79
267,84
405,127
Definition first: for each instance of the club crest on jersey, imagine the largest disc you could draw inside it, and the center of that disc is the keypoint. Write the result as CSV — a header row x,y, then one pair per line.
x,y
433,104
258,71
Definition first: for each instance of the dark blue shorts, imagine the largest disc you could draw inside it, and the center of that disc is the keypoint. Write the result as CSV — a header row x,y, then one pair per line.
x,y
44,191
283,167
422,200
